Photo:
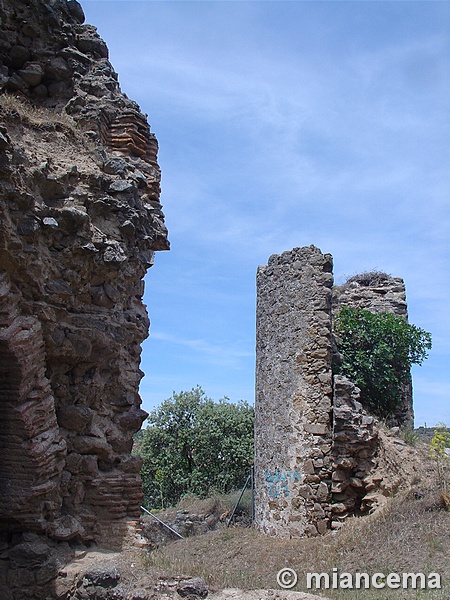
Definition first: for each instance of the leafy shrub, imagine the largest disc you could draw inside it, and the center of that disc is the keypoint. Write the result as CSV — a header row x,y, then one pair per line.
x,y
377,352
195,445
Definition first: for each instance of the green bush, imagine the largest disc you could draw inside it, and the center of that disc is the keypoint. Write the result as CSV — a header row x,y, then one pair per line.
x,y
195,445
377,351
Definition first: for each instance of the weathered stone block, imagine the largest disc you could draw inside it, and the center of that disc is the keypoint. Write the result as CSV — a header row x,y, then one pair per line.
x,y
74,418
104,575
317,428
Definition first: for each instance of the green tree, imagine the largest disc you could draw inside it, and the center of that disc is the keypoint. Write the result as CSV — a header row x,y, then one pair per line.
x,y
377,351
193,444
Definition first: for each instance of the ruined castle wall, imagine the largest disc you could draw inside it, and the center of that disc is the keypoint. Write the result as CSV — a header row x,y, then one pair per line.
x,y
316,448
379,292
376,292
80,221
354,450
293,393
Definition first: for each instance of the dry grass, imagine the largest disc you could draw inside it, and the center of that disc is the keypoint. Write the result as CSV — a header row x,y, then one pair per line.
x,y
215,505
16,107
368,278
408,535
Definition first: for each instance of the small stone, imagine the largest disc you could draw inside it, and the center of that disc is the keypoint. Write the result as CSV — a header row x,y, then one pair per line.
x,y
19,56
60,287
339,475
112,293
316,428
92,45
74,418
128,228
66,528
311,531
192,588
115,166
41,91
121,185
355,482
338,508
32,73
72,54
27,227
15,82
99,296
140,179
305,491
58,69
29,554
322,492
114,254
399,442
50,222
76,10
132,419
322,526
104,575
308,467
318,511
311,479
370,486
86,444
338,487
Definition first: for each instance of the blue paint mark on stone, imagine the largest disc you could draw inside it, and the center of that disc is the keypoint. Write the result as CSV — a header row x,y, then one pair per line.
x,y
278,482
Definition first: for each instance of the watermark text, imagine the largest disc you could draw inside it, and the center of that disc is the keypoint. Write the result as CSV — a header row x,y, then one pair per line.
x,y
288,578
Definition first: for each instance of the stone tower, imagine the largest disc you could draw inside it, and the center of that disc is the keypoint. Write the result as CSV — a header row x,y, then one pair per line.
x,y
293,393
315,446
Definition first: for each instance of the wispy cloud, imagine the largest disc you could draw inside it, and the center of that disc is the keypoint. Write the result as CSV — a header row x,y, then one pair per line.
x,y
218,353
283,124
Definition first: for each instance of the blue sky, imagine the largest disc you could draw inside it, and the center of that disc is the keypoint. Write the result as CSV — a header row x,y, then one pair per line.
x,y
285,124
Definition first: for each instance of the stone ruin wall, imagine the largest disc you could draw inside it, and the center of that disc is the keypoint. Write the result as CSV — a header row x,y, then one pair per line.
x,y
315,446
293,393
80,220
379,293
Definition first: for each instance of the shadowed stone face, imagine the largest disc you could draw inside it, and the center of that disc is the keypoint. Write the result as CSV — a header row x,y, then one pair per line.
x,y
80,220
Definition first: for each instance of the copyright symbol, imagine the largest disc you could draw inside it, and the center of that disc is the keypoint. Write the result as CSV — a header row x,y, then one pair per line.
x,y
287,578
